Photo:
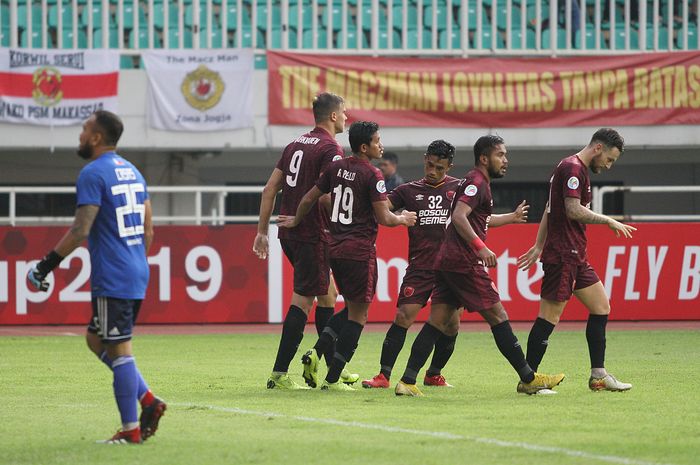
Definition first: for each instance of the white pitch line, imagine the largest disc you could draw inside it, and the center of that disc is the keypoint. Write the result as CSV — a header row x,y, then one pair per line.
x,y
435,434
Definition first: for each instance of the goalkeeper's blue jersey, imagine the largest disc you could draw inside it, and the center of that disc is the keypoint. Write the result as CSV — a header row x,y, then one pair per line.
x,y
116,241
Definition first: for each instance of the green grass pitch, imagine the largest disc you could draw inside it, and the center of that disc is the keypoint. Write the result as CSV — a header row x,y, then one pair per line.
x,y
56,401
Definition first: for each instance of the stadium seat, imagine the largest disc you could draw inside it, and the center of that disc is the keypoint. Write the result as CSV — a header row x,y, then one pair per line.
x,y
113,38
412,39
436,17
517,37
411,16
276,38
128,16
96,16
663,42
367,16
69,38
692,38
590,39
66,16
383,39
127,62
22,17
174,38
232,17
560,40
307,40
337,18
454,42
216,37
263,13
502,17
352,38
203,13
620,39
472,17
143,39
486,39
5,14
4,37
159,15
36,39
246,39
306,16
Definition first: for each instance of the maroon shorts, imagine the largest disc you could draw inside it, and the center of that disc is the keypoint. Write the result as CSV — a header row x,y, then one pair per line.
x,y
356,279
562,279
311,266
474,291
416,287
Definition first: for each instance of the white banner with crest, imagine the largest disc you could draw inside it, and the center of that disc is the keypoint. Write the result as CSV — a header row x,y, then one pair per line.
x,y
202,90
56,87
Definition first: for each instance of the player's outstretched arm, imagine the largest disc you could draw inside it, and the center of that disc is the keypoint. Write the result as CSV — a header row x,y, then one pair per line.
x,y
267,204
308,201
519,215
82,223
460,219
386,218
530,257
148,232
577,212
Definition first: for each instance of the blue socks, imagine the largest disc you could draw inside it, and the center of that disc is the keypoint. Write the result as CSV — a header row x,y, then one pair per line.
x,y
143,387
126,384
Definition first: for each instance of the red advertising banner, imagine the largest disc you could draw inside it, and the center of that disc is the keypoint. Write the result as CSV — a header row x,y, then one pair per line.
x,y
210,275
639,89
198,275
653,276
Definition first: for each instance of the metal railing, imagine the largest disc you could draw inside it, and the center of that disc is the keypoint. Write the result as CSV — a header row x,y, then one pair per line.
x,y
600,192
369,27
215,216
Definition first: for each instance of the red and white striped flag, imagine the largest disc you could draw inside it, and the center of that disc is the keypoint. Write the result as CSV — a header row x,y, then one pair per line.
x,y
56,87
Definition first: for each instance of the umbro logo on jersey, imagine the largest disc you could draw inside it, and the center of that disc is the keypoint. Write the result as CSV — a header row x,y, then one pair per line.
x,y
114,332
419,197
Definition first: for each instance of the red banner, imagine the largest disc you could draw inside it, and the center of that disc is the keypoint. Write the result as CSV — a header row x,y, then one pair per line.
x,y
210,275
198,275
653,276
640,89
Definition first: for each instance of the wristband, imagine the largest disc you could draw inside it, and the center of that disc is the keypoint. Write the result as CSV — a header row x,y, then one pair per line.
x,y
477,244
49,262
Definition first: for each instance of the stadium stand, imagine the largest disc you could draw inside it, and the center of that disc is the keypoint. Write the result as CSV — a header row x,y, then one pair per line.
x,y
440,27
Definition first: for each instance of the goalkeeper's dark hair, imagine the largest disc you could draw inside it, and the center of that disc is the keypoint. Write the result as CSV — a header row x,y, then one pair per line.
x,y
441,149
325,104
109,125
361,132
485,144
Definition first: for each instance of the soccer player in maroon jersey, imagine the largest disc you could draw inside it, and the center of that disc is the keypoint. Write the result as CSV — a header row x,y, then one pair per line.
x,y
306,245
358,198
461,279
430,198
561,243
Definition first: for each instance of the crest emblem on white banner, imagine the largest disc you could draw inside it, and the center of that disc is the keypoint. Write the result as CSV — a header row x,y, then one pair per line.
x,y
202,88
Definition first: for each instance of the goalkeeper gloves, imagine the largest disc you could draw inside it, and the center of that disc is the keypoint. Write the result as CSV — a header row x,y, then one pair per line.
x,y
37,274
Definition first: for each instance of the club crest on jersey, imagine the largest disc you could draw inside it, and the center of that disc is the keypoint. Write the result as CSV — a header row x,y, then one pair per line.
x,y
47,86
419,197
381,187
408,291
572,183
202,88
470,190
450,195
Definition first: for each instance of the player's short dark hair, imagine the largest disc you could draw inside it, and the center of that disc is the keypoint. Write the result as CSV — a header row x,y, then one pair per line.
x,y
110,125
391,157
609,138
361,132
325,104
441,149
485,144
